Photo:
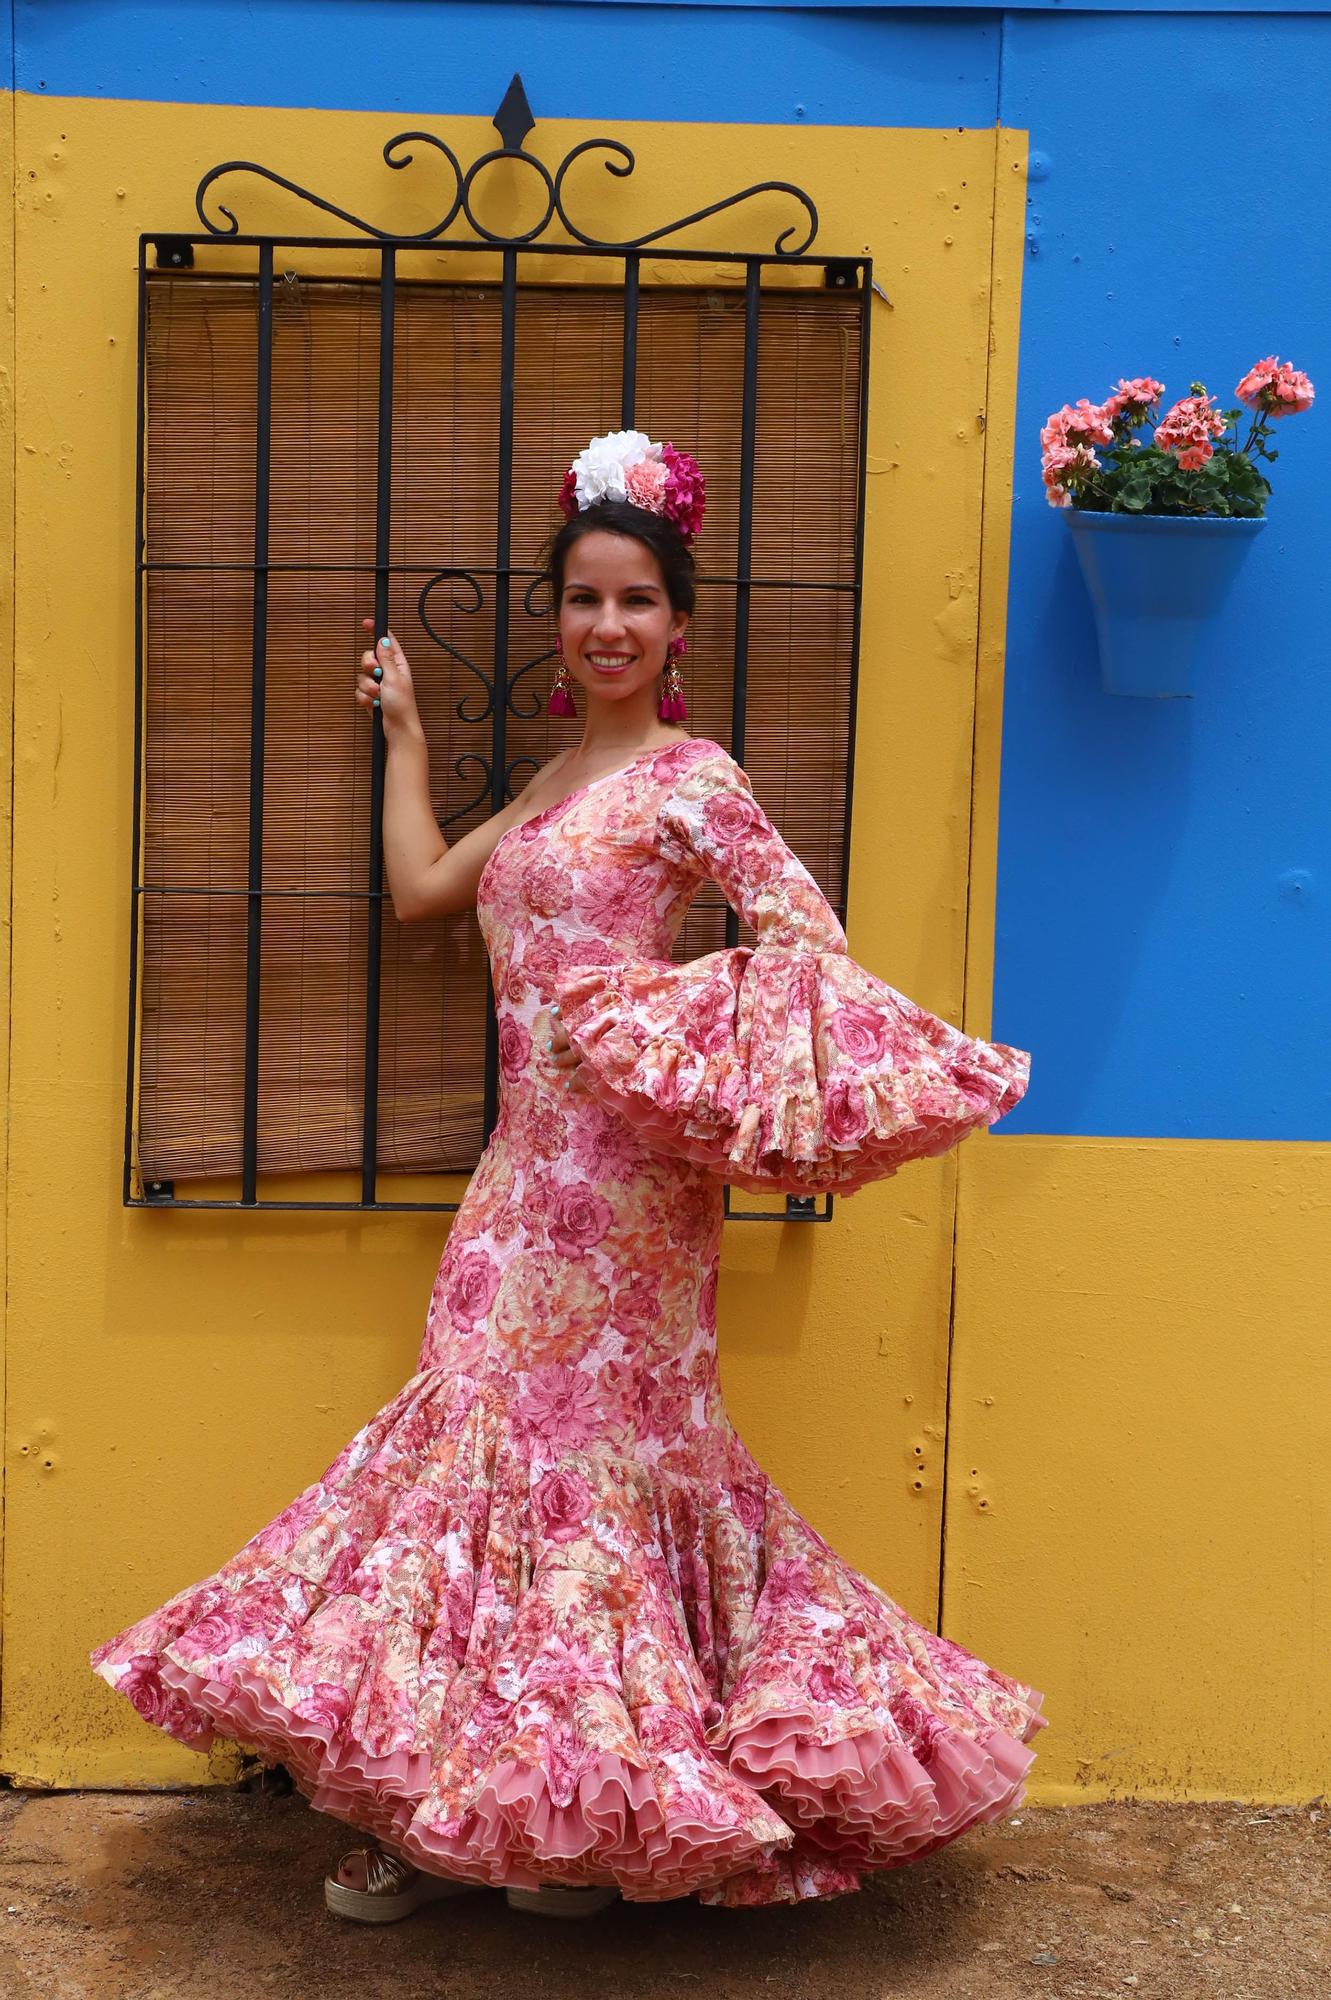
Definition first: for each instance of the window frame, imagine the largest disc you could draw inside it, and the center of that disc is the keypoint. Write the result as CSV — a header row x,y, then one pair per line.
x,y
174,254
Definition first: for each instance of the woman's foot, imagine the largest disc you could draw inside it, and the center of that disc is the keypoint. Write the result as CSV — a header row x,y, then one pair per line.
x,y
374,1886
553,1901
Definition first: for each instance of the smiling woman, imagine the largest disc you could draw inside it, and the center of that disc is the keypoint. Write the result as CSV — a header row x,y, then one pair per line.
x,y
633,510
545,1624
623,589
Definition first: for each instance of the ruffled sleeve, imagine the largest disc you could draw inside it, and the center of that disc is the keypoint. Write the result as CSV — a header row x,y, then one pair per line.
x,y
782,1066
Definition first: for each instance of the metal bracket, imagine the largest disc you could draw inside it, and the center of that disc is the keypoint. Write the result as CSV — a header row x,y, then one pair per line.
x,y
158,1193
842,274
798,1208
173,253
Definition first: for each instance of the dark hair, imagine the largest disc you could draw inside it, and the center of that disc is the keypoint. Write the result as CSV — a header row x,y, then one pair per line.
x,y
621,517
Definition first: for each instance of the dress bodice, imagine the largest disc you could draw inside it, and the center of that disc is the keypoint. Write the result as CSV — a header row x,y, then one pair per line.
x,y
784,1064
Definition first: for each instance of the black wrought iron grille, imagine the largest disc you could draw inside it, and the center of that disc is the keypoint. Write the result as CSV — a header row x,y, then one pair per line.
x,y
312,448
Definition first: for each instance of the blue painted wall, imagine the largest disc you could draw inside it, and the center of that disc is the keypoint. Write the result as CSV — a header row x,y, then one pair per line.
x,y
1163,945
577,61
1163,937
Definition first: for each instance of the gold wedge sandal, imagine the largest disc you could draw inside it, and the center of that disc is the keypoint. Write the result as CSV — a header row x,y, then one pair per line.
x,y
393,1889
552,1901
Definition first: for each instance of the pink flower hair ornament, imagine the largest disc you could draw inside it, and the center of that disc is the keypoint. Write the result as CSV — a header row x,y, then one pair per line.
x,y
626,465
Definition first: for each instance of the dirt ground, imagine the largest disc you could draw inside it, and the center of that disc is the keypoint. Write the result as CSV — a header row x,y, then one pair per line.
x,y
216,1895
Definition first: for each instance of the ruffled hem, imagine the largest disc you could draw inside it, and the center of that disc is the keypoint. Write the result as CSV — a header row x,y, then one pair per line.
x,y
694,1695
783,1067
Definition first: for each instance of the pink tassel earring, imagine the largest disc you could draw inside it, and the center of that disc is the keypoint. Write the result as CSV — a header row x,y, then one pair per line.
x,y
561,694
672,707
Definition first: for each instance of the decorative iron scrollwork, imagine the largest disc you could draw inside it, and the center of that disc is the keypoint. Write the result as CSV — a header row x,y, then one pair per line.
x,y
513,121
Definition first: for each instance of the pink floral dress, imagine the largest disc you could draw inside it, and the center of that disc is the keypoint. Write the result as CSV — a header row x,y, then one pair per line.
x,y
545,1619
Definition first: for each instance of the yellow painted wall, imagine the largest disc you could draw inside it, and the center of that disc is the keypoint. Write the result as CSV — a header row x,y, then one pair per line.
x,y
6,737
1139,1430
175,1378
1139,1441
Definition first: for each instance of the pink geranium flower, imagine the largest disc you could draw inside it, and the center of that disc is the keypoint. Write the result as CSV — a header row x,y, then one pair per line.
x,y
1188,428
1069,438
1133,397
1275,387
1142,474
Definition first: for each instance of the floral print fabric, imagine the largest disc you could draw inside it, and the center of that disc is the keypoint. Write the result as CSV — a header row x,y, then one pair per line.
x,y
545,1619
788,1066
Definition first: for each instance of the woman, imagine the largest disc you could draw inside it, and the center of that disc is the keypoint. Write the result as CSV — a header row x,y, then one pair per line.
x,y
545,1624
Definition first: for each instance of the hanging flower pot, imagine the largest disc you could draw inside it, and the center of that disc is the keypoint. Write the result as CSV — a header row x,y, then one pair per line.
x,y
1161,528
1158,583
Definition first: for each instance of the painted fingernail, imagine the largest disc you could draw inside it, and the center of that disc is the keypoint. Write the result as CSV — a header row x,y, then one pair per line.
x,y
376,704
385,642
377,672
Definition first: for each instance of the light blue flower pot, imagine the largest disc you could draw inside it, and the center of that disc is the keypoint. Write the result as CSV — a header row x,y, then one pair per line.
x,y
1158,583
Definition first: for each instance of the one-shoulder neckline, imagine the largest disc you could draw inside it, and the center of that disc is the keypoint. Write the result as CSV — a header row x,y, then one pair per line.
x,y
602,777
558,805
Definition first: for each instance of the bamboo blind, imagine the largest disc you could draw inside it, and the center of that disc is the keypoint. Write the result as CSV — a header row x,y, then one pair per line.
x,y
199,468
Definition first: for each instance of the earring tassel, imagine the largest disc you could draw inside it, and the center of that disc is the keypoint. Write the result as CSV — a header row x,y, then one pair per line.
x,y
672,706
561,702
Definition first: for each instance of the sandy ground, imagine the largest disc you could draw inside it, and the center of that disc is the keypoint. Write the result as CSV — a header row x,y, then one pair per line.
x,y
217,1894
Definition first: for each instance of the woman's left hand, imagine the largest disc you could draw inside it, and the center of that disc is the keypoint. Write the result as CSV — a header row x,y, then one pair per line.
x,y
562,1052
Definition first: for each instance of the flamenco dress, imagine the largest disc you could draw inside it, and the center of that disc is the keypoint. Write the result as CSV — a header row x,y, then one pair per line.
x,y
545,1619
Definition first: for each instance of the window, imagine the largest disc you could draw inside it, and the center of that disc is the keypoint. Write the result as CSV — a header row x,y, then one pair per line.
x,y
318,446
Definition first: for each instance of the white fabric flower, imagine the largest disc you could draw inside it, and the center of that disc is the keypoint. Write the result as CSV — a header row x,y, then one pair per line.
x,y
598,472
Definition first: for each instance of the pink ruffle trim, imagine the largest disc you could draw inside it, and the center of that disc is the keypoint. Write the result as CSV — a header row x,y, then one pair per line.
x,y
783,1068
863,1802
637,1770
880,1803
612,1830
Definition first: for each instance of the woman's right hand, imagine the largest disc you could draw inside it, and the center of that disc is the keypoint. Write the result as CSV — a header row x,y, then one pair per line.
x,y
394,693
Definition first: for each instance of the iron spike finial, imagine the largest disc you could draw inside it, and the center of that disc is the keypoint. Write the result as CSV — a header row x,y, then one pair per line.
x,y
513,120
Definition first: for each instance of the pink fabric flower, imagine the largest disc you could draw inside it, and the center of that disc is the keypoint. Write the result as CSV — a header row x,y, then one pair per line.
x,y
845,1121
646,483
559,1404
626,465
1275,387
729,818
327,1706
830,1681
471,1289
141,1684
565,1501
579,1219
635,1304
514,1046
213,1635
859,1032
686,493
